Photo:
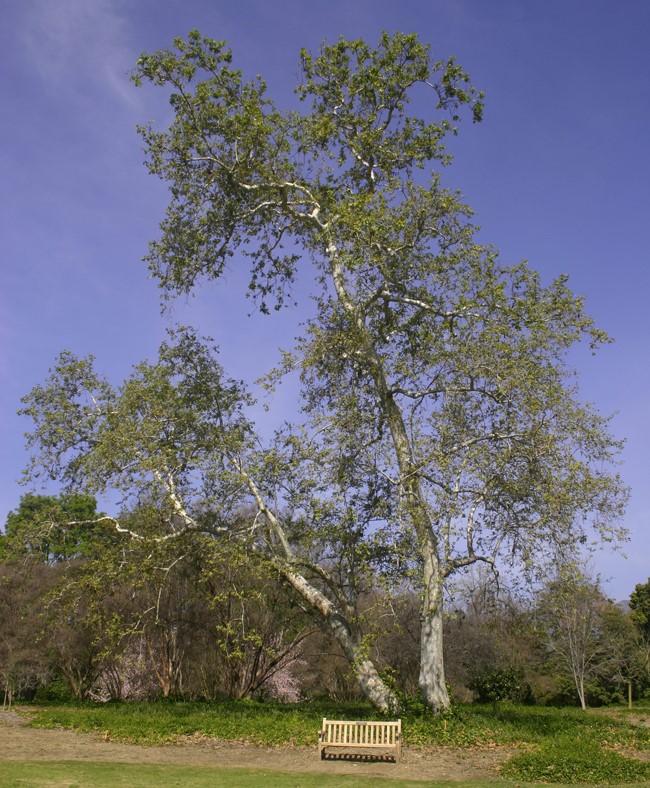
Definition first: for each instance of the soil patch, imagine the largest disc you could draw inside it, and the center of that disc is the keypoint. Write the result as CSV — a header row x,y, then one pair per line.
x,y
19,743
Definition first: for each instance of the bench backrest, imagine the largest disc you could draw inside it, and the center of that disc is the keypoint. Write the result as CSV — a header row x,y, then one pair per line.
x,y
362,733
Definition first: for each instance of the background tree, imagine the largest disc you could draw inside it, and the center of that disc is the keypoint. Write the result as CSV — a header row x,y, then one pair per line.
x,y
38,529
216,621
23,665
198,618
569,611
640,607
257,626
59,623
79,629
624,659
490,644
428,362
640,614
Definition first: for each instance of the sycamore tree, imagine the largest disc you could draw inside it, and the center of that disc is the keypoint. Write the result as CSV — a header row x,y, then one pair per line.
x,y
437,395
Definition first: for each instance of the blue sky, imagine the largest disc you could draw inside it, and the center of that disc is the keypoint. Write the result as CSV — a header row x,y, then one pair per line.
x,y
558,173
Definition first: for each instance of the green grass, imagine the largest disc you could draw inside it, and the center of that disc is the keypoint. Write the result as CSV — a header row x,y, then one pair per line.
x,y
73,774
556,745
567,761
264,724
269,724
98,775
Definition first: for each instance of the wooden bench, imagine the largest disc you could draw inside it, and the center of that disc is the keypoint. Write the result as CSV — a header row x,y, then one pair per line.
x,y
371,737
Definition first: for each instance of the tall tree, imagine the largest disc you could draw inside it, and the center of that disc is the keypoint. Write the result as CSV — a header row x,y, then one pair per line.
x,y
428,361
442,428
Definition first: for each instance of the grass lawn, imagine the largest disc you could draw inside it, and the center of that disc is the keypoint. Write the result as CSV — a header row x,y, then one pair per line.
x,y
72,774
98,775
106,775
559,746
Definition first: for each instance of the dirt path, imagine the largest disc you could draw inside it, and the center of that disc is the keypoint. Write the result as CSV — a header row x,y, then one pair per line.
x,y
18,743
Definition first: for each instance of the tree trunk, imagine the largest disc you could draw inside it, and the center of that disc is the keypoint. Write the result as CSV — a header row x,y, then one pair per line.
x,y
372,685
433,688
6,703
432,672
341,624
581,692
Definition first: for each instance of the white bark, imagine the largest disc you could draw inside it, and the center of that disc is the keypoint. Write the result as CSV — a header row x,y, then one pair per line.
x,y
339,621
432,673
369,680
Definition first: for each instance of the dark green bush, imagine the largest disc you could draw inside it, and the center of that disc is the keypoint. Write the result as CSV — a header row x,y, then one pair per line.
x,y
500,684
56,690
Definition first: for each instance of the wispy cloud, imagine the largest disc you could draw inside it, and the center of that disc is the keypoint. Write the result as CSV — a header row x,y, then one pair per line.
x,y
69,42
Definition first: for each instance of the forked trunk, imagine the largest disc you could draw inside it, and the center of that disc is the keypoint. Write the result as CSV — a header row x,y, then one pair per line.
x,y
432,673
